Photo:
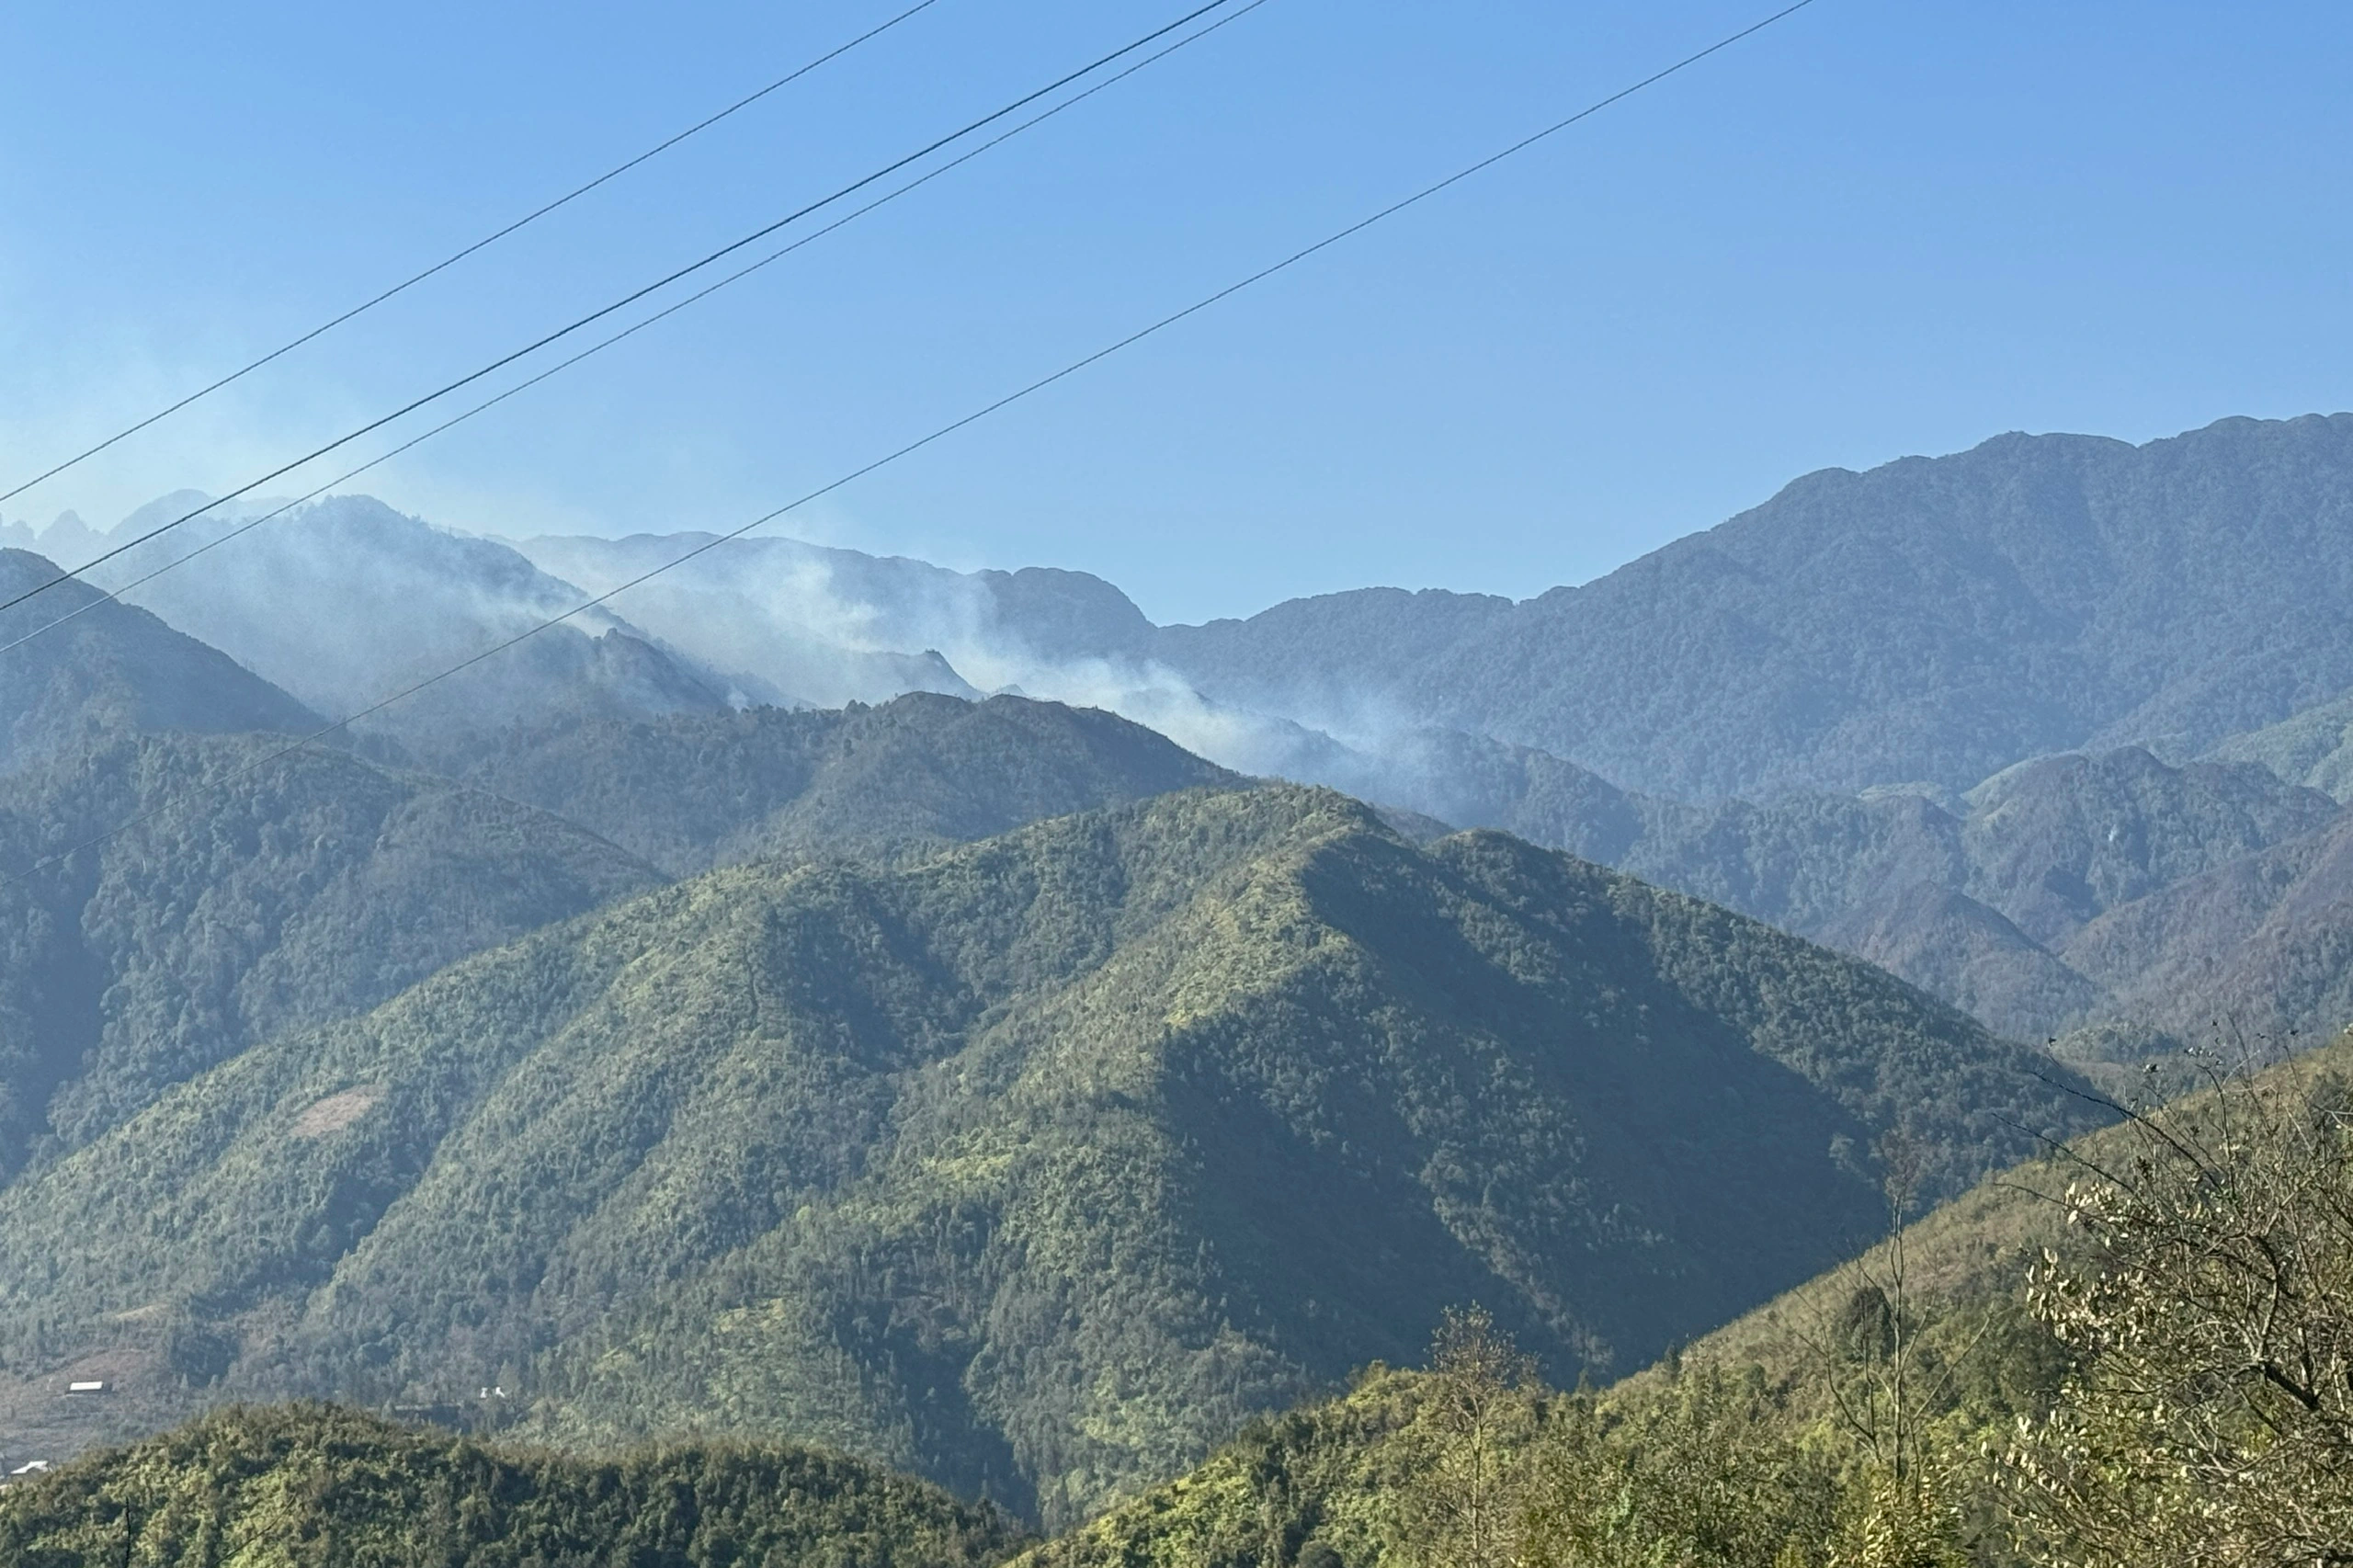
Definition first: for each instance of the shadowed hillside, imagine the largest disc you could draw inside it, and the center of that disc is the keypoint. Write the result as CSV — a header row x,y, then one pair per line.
x,y
2050,896
2260,949
1685,1460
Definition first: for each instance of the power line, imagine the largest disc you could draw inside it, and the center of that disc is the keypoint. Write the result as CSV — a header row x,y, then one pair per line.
x,y
632,330
632,297
944,431
455,257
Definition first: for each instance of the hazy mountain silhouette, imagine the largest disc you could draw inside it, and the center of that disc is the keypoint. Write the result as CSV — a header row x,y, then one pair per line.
x,y
111,670
346,601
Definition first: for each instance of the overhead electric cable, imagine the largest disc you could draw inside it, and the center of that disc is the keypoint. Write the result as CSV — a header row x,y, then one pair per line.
x,y
631,331
944,431
632,297
455,257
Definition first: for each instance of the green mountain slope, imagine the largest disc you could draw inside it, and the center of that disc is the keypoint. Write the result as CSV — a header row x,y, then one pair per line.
x,y
1037,1165
325,884
690,792
2054,843
234,907
1333,1474
1968,1253
113,670
251,1488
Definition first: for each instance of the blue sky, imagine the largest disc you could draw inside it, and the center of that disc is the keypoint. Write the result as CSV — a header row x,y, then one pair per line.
x,y
1878,229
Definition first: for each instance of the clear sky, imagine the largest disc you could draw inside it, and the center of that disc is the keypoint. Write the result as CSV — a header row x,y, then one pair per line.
x,y
1880,228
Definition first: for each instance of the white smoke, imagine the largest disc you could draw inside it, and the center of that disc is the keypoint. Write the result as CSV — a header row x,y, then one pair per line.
x,y
343,601
829,626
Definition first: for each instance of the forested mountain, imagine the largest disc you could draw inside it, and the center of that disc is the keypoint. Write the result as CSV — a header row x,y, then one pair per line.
x,y
1757,1444
1980,902
235,904
1915,629
1036,1166
2257,951
310,1483
236,907
1933,619
1826,675
111,670
1040,1164
693,791
1984,898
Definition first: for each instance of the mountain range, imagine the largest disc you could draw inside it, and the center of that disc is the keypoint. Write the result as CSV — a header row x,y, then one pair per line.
x,y
2034,598
200,894
1934,620
720,1014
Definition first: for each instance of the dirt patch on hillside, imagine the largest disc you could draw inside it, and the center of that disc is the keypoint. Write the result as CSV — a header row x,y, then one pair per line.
x,y
336,1112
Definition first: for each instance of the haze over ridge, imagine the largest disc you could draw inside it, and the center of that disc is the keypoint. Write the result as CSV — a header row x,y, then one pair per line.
x,y
1790,714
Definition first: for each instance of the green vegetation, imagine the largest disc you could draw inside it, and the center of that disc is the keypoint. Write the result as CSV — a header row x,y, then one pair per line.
x,y
694,790
2163,1385
1041,1160
1038,1165
323,884
314,888
2210,1418
304,1485
2131,1355
1706,1470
